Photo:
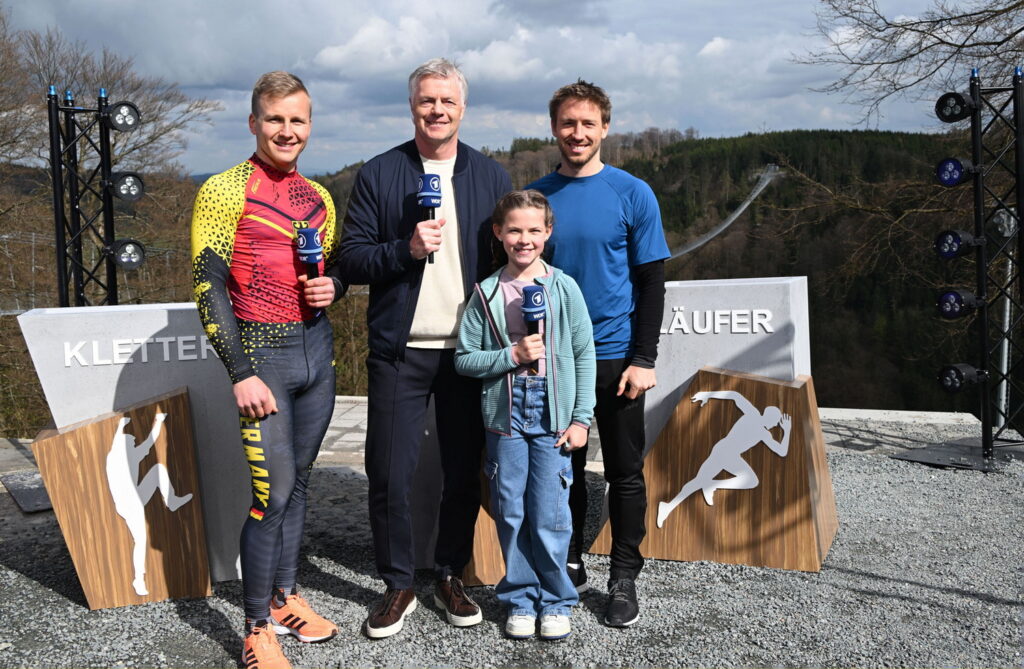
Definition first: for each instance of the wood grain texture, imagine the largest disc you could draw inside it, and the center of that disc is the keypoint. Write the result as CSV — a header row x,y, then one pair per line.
x,y
787,521
487,566
73,465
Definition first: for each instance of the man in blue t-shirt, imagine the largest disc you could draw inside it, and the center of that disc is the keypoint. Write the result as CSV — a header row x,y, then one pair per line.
x,y
608,237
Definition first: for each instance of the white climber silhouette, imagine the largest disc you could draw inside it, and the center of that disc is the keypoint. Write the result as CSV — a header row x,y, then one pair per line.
x,y
131,495
750,429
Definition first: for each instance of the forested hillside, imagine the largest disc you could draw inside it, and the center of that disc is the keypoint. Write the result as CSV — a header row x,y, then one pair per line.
x,y
855,211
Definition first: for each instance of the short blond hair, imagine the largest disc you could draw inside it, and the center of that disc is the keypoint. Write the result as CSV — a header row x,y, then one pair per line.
x,y
274,85
442,68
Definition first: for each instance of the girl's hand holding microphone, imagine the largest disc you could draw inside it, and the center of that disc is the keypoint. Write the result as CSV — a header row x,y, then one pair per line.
x,y
528,349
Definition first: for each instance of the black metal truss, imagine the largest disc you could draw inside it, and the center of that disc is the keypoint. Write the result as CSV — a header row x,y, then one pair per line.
x,y
997,123
82,203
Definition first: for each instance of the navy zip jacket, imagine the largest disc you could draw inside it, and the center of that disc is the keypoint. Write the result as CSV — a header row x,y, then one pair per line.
x,y
382,214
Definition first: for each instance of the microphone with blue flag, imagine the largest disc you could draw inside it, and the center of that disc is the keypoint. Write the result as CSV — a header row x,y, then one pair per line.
x,y
533,314
307,245
428,187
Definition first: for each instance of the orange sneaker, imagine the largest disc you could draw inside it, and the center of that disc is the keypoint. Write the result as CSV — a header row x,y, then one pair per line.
x,y
262,651
298,619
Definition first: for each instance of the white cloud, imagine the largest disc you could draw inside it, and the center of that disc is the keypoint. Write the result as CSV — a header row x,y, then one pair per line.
x,y
504,61
716,47
380,46
711,64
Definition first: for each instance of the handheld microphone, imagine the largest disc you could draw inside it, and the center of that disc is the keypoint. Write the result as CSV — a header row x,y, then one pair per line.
x,y
533,314
428,187
307,245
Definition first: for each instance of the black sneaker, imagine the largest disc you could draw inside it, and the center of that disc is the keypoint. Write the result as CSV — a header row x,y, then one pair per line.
x,y
623,609
578,576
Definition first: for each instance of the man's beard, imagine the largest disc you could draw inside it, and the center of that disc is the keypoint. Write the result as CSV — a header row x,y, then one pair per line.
x,y
578,160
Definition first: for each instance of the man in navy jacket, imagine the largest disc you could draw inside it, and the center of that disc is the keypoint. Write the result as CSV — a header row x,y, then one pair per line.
x,y
413,319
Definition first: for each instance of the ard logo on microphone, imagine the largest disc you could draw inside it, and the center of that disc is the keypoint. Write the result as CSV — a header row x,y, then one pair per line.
x,y
428,183
537,299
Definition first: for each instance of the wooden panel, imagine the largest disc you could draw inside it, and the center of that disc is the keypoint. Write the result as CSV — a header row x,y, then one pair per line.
x,y
89,465
823,497
487,566
787,519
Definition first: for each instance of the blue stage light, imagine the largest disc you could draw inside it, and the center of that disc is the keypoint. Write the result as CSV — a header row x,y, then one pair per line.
x,y
951,244
952,171
956,303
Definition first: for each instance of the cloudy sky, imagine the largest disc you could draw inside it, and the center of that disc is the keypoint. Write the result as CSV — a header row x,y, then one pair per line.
x,y
723,67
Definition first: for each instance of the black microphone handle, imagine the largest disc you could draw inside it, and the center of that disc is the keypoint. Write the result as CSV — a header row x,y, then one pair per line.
x,y
532,328
430,256
312,270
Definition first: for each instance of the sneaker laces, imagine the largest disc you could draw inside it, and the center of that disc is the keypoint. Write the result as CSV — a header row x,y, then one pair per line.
x,y
391,595
264,636
457,589
299,603
619,590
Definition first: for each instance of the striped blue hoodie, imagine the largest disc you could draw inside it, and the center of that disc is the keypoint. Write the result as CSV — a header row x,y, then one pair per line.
x,y
485,352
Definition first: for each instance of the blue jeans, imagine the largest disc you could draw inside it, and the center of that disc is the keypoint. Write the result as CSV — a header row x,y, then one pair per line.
x,y
530,481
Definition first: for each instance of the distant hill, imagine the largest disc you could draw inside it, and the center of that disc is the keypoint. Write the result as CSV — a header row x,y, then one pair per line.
x,y
844,216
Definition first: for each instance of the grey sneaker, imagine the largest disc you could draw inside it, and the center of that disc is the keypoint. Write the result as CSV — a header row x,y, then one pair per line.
x,y
553,627
623,609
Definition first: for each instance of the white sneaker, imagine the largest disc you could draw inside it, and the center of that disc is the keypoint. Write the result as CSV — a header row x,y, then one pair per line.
x,y
554,627
520,627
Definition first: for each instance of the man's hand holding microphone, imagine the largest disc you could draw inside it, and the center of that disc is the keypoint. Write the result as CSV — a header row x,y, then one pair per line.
x,y
318,291
426,238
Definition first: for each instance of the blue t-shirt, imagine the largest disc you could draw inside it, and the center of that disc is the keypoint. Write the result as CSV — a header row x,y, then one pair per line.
x,y
605,224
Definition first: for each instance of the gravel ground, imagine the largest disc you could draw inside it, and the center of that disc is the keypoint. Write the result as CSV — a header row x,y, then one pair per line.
x,y
925,571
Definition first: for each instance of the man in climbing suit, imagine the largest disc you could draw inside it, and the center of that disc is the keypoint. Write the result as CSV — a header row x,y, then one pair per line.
x,y
266,321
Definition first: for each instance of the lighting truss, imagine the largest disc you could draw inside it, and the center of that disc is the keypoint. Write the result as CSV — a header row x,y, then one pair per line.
x,y
997,174
83,190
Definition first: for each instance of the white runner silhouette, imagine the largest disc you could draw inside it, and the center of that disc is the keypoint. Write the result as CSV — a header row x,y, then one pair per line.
x,y
750,429
130,498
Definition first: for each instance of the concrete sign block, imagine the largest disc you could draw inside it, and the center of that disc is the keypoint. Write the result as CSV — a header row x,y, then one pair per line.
x,y
94,360
758,326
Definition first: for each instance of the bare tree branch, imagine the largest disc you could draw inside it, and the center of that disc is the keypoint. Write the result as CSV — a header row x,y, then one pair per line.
x,y
879,57
167,112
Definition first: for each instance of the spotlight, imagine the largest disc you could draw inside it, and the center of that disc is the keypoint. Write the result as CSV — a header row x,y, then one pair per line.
x,y
128,254
954,377
1005,222
952,171
123,116
955,243
956,303
127,186
953,107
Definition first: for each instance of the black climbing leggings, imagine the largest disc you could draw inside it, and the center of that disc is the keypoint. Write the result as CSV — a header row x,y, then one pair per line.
x,y
295,360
